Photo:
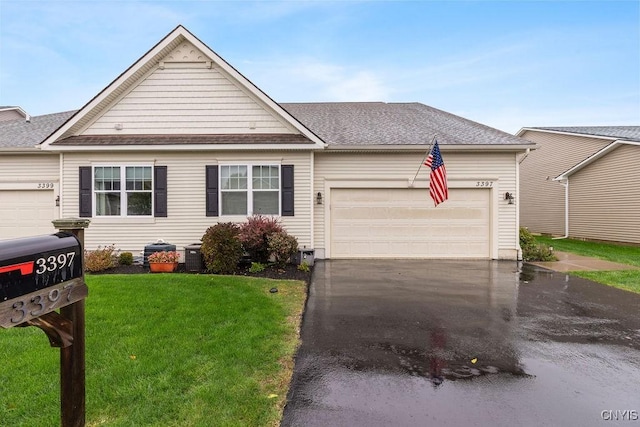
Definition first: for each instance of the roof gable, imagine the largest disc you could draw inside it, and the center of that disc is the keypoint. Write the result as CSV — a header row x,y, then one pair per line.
x,y
598,155
179,87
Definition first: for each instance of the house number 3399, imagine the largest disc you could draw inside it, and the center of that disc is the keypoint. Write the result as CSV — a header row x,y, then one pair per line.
x,y
45,185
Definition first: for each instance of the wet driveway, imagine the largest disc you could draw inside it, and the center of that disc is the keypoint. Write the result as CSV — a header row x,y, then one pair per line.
x,y
414,343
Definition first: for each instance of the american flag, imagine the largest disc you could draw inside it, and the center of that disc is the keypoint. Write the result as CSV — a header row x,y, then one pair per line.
x,y
438,178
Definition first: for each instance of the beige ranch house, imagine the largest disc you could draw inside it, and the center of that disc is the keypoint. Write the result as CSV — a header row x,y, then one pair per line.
x,y
181,140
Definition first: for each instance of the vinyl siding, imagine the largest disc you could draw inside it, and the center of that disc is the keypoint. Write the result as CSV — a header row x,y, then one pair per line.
x,y
542,200
605,198
10,115
29,168
187,98
186,221
468,167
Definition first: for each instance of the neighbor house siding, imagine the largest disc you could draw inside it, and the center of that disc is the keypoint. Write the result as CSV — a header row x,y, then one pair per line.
x,y
186,221
186,99
400,168
605,198
10,115
542,200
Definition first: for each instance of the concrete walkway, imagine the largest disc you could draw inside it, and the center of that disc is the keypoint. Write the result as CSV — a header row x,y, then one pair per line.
x,y
572,262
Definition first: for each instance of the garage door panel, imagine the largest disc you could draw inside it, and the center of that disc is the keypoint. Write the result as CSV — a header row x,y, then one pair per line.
x,y
26,213
399,223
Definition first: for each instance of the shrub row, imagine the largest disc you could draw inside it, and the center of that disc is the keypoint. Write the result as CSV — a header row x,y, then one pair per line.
x,y
262,238
105,258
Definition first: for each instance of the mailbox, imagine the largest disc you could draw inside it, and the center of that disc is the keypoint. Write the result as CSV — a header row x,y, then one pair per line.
x,y
35,263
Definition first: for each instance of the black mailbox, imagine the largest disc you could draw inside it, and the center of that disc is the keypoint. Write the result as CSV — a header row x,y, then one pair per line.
x,y
34,263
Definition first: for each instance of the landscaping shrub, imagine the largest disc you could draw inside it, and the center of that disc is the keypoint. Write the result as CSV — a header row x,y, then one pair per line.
x,y
303,266
532,250
221,248
125,258
99,260
254,234
282,246
257,267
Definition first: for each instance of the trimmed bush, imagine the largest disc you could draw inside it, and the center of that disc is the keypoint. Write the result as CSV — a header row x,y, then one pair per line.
x,y
254,234
125,258
532,250
282,246
99,260
221,248
257,267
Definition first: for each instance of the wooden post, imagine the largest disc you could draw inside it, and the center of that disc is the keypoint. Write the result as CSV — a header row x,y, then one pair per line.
x,y
72,358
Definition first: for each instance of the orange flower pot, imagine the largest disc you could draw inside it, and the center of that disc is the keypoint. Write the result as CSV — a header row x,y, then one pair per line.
x,y
163,267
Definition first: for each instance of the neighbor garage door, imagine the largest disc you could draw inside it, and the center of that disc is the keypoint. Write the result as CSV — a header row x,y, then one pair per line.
x,y
403,223
26,213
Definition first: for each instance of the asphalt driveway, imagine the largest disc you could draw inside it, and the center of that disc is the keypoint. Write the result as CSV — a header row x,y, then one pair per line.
x,y
414,343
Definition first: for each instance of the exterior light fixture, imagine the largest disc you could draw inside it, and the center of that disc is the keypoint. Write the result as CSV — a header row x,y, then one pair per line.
x,y
319,198
509,198
58,201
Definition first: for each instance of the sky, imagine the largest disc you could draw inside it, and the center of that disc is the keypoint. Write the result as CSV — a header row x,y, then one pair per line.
x,y
506,64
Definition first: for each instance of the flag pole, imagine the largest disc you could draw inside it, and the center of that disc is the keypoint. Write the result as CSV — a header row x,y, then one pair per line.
x,y
423,159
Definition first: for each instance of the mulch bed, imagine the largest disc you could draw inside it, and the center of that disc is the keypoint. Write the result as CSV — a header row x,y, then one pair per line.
x,y
290,272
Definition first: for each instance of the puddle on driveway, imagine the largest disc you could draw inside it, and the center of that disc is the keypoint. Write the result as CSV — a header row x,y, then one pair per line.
x,y
406,342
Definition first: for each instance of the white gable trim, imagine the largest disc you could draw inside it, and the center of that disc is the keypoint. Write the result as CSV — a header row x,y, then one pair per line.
x,y
150,61
522,131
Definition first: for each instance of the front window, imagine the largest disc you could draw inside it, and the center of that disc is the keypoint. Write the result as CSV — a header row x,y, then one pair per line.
x,y
247,190
134,198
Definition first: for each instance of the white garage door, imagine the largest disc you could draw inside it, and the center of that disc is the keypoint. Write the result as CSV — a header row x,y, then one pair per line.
x,y
403,223
26,213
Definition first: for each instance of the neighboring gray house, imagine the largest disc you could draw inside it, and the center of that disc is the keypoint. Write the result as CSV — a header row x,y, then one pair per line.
x,y
583,182
12,113
181,140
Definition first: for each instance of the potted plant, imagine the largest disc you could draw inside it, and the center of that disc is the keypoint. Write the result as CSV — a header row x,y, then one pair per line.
x,y
164,261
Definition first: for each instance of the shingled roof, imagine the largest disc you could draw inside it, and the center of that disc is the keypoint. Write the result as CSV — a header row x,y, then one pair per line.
x,y
629,133
20,133
379,123
357,124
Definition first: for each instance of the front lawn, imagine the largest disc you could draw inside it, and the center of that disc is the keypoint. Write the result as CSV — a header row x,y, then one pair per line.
x,y
165,350
624,279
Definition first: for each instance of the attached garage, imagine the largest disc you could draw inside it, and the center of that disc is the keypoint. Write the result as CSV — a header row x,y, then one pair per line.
x,y
26,213
403,223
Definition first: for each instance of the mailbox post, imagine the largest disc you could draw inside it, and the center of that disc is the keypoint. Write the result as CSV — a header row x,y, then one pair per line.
x,y
72,359
39,275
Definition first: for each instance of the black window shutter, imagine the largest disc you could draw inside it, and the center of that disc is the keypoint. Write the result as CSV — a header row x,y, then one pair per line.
x,y
85,210
160,191
211,179
286,172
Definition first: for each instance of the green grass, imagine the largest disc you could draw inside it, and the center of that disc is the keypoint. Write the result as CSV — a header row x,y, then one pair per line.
x,y
165,350
623,279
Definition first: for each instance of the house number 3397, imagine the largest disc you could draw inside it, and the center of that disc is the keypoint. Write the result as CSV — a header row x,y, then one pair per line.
x,y
54,262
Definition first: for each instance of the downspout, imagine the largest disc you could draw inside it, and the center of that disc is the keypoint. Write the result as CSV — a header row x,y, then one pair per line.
x,y
519,249
565,184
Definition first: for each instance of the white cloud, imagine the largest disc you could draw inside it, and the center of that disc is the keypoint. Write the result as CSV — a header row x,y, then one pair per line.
x,y
311,80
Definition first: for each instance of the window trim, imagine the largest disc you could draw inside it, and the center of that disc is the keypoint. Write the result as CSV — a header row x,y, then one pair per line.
x,y
249,188
123,189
